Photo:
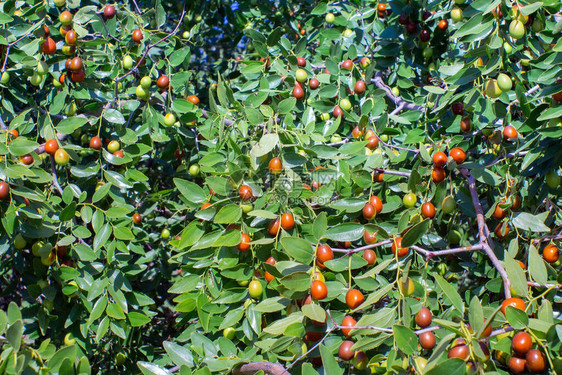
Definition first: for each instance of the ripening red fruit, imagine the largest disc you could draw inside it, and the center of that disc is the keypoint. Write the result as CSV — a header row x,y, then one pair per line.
x,y
439,159
26,159
369,211
244,244
301,62
324,253
348,321
137,218
71,37
501,232
397,248
377,203
403,19
460,351
381,7
51,146
345,352
193,99
499,213
318,290
163,82
428,210
550,253
347,64
458,155
137,36
313,84
298,92
4,191
275,166
245,192
78,76
438,174
457,109
75,64
425,35
509,133
535,361
443,25
337,112
49,46
287,221
514,302
354,298
360,87
269,277
424,317
411,27
466,125
369,238
517,365
273,227
373,142
427,340
109,12
370,256
96,143
521,343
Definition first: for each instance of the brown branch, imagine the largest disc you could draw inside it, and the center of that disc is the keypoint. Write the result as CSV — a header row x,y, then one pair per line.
x,y
429,254
54,174
484,233
545,286
255,367
227,122
378,81
395,173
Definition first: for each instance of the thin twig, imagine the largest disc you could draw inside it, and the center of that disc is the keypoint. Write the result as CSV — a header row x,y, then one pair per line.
x,y
389,172
545,286
429,254
54,174
378,81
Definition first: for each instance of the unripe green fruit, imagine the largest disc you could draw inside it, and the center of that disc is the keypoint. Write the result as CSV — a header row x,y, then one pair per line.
x,y
169,119
301,75
384,137
330,18
255,289
5,78
395,90
165,234
59,3
345,104
516,29
448,204
246,207
492,89
71,109
454,237
142,93
347,32
69,339
504,82
19,242
194,170
409,200
537,26
325,116
507,48
146,82
552,179
128,62
456,14
113,146
427,52
228,333
335,138
36,79
57,83
185,35
120,359
42,68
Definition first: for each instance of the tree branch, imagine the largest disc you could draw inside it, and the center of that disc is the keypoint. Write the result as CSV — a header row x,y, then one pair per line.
x,y
378,81
54,174
254,367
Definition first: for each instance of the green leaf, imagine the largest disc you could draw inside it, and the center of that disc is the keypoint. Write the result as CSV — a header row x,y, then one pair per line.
x,y
533,223
287,105
152,369
70,124
272,304
265,145
114,116
314,312
516,275
102,236
191,191
278,327
98,309
178,354
137,319
452,366
320,226
329,362
518,319
298,248
374,297
22,146
537,268
451,293
228,214
415,233
13,334
345,232
114,311
405,339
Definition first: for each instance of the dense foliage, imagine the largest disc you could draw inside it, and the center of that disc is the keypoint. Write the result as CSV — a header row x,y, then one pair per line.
x,y
232,186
